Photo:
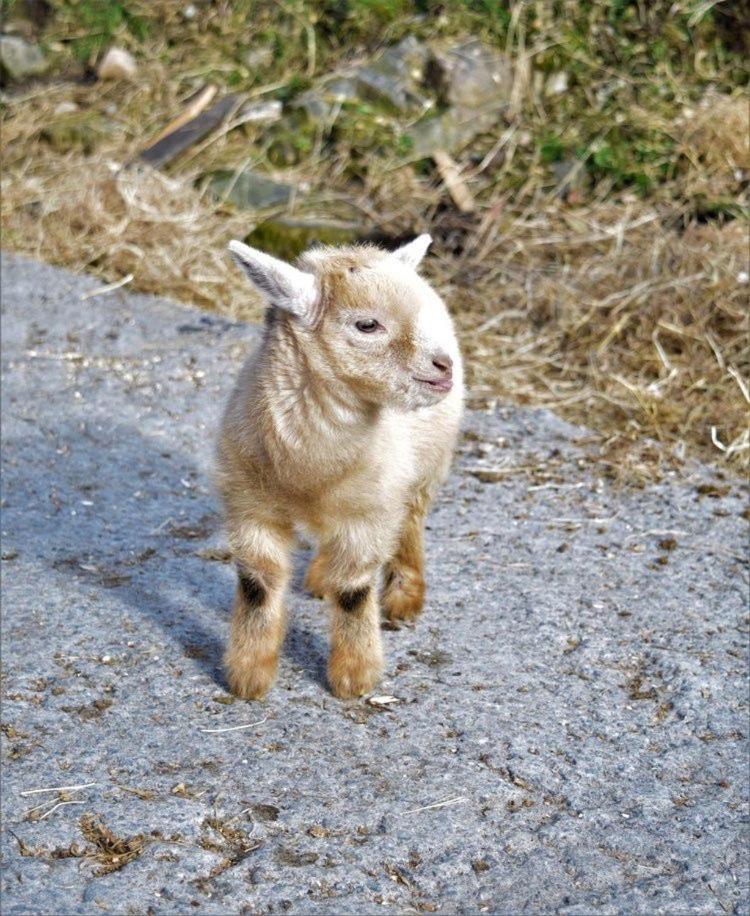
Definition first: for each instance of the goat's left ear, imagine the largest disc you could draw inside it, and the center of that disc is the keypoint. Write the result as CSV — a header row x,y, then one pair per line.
x,y
413,252
290,289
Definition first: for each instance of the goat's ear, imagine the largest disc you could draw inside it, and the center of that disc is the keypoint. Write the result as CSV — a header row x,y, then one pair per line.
x,y
413,252
284,286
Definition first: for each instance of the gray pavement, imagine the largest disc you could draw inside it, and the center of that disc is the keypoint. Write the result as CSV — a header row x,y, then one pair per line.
x,y
571,728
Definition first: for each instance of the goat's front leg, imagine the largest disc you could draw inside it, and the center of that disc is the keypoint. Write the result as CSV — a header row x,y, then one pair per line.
x,y
258,620
351,563
356,658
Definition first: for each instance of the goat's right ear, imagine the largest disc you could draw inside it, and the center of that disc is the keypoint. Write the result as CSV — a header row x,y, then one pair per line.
x,y
284,286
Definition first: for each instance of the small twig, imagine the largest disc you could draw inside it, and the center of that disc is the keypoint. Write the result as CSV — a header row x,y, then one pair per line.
x,y
442,804
85,785
717,352
60,804
199,103
500,316
233,728
160,528
716,441
740,381
450,172
660,351
558,486
110,287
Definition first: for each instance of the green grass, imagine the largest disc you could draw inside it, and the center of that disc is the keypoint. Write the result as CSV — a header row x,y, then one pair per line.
x,y
629,65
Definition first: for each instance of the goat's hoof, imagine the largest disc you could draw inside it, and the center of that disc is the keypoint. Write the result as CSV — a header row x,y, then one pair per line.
x,y
251,680
352,676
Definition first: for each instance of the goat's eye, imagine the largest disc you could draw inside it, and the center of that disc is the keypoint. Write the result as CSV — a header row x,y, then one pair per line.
x,y
367,325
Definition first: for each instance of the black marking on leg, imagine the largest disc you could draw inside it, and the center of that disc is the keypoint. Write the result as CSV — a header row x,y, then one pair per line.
x,y
253,593
353,600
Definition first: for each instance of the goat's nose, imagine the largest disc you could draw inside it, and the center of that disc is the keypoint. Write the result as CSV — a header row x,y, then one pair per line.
x,y
443,362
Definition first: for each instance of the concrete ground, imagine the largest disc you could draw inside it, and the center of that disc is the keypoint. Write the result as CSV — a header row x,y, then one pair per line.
x,y
570,731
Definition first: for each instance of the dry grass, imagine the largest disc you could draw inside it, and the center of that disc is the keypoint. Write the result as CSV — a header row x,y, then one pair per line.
x,y
623,312
114,223
612,319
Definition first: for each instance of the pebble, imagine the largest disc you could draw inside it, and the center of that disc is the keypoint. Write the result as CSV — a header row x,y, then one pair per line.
x,y
117,64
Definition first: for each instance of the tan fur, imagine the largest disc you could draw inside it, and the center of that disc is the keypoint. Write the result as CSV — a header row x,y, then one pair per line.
x,y
404,585
329,430
315,582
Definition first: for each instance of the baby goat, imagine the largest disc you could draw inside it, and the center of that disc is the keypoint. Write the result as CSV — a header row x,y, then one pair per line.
x,y
342,424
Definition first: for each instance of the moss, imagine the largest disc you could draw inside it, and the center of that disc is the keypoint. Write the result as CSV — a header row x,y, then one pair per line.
x,y
287,239
83,130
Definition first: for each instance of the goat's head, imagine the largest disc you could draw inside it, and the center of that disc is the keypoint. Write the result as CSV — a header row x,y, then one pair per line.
x,y
364,318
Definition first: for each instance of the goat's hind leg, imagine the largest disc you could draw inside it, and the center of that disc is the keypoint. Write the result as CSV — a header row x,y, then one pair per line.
x,y
258,619
315,577
403,583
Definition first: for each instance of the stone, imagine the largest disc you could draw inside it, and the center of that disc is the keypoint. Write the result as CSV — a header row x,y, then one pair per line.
x,y
473,84
259,112
258,58
395,76
557,83
393,80
470,75
249,190
327,96
569,175
117,64
450,130
173,144
65,107
19,59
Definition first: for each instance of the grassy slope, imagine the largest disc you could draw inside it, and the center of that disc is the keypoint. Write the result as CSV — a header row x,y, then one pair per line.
x,y
616,303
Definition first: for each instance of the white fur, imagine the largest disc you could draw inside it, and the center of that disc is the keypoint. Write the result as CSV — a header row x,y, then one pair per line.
x,y
343,433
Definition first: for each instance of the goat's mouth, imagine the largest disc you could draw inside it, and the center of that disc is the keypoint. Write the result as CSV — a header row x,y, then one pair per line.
x,y
443,385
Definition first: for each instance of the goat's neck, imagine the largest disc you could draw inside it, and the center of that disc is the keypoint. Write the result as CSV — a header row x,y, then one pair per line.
x,y
307,406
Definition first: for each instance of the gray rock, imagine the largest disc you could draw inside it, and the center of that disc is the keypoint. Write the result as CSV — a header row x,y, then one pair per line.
x,y
327,96
571,734
473,84
175,143
259,112
249,190
20,60
452,130
393,79
556,83
471,75
569,175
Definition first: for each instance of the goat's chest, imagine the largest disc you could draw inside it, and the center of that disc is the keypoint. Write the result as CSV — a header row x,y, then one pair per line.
x,y
356,484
